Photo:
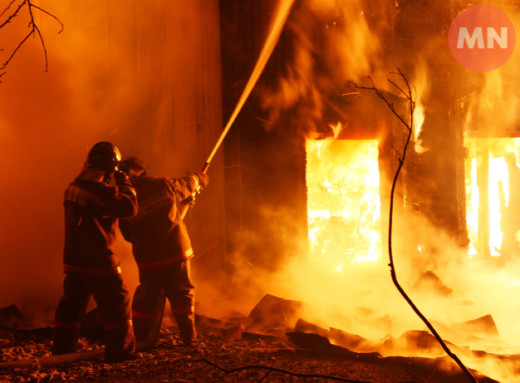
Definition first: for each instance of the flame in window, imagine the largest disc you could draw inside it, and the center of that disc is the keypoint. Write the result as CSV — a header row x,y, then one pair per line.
x,y
492,181
343,201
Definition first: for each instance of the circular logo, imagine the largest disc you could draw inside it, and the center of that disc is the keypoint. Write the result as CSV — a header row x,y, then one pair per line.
x,y
482,38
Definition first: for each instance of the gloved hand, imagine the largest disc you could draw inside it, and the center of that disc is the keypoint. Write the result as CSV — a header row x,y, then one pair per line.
x,y
203,179
121,178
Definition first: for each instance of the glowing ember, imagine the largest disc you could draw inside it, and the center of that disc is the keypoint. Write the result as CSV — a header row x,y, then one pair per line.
x,y
492,224
343,201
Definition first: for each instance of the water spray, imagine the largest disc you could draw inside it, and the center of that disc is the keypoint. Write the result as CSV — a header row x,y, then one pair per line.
x,y
267,50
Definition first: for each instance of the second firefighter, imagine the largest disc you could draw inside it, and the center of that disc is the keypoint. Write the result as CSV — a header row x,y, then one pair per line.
x,y
162,249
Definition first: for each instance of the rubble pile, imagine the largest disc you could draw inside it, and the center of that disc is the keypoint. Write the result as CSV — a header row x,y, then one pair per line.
x,y
237,349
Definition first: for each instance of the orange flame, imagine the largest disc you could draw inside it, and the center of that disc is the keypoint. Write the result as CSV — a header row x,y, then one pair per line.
x,y
489,165
343,201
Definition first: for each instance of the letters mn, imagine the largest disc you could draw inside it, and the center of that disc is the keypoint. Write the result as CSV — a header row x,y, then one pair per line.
x,y
478,37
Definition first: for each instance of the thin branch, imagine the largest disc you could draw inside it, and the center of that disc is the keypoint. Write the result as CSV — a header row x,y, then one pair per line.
x,y
51,15
271,369
397,151
409,126
33,29
7,8
13,15
4,65
265,376
382,97
395,85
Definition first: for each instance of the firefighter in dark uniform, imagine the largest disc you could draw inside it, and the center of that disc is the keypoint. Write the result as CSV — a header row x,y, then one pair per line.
x,y
162,249
92,209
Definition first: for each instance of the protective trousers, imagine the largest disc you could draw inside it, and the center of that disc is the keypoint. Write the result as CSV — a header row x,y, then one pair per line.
x,y
113,300
170,281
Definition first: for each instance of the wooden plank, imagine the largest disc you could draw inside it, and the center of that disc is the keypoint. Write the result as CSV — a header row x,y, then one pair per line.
x,y
54,360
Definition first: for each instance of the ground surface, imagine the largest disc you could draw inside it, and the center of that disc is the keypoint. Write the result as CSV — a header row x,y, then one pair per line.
x,y
212,359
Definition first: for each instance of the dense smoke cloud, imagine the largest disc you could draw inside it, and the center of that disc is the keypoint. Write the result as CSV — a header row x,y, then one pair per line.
x,y
135,74
331,42
106,81
432,261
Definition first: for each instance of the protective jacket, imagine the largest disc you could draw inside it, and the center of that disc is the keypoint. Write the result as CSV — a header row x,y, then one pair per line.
x,y
158,233
162,249
92,210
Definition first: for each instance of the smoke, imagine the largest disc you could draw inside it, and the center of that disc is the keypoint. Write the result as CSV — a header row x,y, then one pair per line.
x,y
449,288
144,76
492,106
360,298
334,42
35,157
122,71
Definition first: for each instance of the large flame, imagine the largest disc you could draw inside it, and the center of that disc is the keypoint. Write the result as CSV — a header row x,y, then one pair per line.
x,y
418,116
490,165
343,201
422,88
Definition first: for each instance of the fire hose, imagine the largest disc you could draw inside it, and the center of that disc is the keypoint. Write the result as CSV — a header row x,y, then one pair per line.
x,y
267,50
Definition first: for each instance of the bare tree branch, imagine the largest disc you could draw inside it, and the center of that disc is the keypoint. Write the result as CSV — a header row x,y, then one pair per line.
x,y
410,98
270,369
395,150
397,86
34,30
13,15
7,8
51,15
382,97
4,65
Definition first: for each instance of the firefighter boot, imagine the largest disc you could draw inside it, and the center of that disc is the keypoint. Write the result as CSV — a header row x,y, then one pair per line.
x,y
186,325
119,344
65,341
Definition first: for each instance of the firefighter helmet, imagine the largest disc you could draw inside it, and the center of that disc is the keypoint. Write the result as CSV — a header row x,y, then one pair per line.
x,y
128,163
103,156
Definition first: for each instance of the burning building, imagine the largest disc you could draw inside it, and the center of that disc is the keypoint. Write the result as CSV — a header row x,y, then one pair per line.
x,y
299,194
308,191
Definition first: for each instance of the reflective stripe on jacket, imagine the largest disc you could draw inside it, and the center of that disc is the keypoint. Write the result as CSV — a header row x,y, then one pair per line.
x,y
92,210
157,233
